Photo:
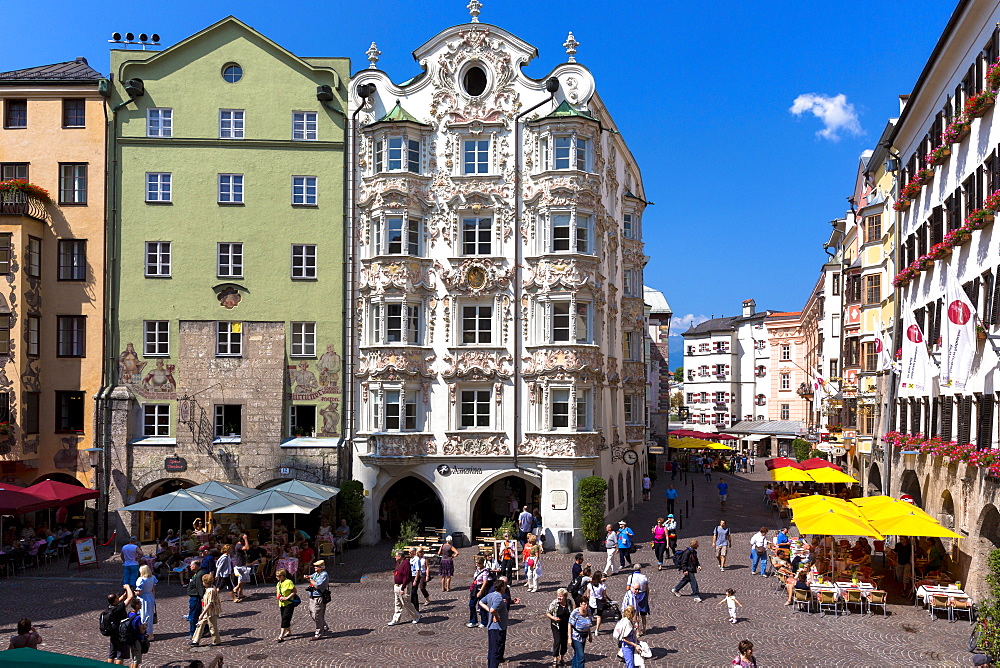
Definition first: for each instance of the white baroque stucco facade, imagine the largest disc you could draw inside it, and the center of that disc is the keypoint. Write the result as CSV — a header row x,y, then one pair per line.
x,y
499,322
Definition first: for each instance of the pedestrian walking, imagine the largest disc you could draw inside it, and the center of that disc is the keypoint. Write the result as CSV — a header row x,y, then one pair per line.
x,y
671,527
611,547
580,624
211,609
558,614
533,566
674,466
401,578
659,542
706,467
597,597
723,487
319,597
224,568
744,657
138,640
507,553
758,551
525,523
625,535
671,496
446,563
241,572
731,602
647,485
118,606
625,635
130,561
638,587
753,463
496,607
28,637
425,573
285,593
721,537
145,591
195,590
690,567
477,589
416,571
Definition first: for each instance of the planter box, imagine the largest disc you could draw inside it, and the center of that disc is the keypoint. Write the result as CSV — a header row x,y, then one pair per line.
x,y
981,110
962,134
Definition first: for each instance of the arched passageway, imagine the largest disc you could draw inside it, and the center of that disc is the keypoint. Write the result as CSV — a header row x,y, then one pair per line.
x,y
496,502
153,526
408,497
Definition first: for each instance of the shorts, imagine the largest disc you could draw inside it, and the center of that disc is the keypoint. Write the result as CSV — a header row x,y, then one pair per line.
x,y
286,616
722,497
721,550
118,650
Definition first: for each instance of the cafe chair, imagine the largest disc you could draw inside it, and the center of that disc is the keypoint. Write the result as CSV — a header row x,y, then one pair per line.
x,y
960,605
854,597
802,597
877,598
940,602
829,600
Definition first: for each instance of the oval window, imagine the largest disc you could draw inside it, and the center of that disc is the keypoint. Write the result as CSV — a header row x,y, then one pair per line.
x,y
232,73
474,81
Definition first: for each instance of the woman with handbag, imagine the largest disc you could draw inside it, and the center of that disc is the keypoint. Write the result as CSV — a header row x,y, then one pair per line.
x,y
596,597
211,608
625,635
287,600
558,615
145,591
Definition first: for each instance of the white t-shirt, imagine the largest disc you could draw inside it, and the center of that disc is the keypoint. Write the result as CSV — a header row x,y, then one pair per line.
x,y
731,603
623,629
596,592
639,579
130,555
758,540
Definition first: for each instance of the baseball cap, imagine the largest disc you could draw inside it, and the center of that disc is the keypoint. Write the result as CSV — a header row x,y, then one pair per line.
x,y
622,522
671,515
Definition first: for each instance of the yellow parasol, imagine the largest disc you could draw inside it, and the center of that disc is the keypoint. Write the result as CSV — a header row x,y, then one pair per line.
x,y
716,446
873,501
810,504
913,524
835,523
826,474
897,509
790,474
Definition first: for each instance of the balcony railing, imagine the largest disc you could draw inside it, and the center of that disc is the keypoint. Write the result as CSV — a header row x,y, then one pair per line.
x,y
17,203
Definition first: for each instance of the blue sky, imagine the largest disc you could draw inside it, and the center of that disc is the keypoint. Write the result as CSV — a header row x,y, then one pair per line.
x,y
703,92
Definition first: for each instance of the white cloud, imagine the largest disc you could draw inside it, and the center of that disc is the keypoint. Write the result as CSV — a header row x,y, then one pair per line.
x,y
682,323
835,111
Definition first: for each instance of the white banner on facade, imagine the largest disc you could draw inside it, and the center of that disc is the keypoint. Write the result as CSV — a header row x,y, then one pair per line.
x,y
958,334
820,391
917,371
885,360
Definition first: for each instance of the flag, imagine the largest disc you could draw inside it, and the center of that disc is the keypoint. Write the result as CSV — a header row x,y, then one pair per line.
x,y
958,334
820,390
885,360
916,368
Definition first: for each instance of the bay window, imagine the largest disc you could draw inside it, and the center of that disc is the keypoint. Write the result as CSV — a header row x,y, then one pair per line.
x,y
394,409
565,151
396,235
570,322
396,154
396,322
572,232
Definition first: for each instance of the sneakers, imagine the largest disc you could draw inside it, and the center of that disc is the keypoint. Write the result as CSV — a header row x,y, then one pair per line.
x,y
722,568
481,626
732,621
676,593
392,623
697,599
472,625
416,620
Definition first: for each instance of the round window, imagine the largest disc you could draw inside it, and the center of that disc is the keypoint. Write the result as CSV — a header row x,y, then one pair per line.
x,y
232,73
474,81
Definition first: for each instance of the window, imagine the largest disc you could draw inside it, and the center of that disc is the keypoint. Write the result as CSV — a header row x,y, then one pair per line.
x,y
30,412
230,260
74,113
156,338
397,154
477,236
232,73
303,191
560,408
572,232
399,320
475,408
69,411
159,122
395,235
72,260
630,226
477,324
13,170
873,228
5,334
31,334
72,183
633,409
158,258
34,257
15,114
156,420
475,81
786,352
869,356
304,126
230,188
630,346
231,123
786,381
303,261
476,156
228,420
302,421
785,413
873,289
158,186
229,339
570,152
303,339
71,336
835,284
401,410
570,322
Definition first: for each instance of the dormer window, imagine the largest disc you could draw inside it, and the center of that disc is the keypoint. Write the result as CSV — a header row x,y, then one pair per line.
x,y
397,154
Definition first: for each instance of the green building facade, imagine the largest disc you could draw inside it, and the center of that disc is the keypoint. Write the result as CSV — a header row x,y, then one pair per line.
x,y
225,251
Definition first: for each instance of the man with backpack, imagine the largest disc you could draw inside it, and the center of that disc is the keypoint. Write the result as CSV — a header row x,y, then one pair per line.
x,y
133,632
687,561
110,621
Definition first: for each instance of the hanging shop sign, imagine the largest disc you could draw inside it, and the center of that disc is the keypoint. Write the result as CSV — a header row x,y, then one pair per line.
x,y
175,465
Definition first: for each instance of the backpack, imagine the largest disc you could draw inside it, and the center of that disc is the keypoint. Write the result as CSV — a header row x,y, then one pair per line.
x,y
681,558
105,624
126,632
574,586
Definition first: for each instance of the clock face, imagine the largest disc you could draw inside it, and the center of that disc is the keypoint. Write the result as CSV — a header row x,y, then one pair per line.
x,y
630,457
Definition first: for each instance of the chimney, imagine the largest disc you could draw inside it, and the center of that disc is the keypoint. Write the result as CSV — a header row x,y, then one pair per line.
x,y
903,99
749,307
81,59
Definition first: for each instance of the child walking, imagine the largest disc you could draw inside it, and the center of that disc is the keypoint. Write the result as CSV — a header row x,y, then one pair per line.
x,y
731,601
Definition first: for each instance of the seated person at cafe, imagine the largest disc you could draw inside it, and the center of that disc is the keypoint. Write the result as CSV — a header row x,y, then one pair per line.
x,y
782,543
794,582
280,532
340,535
306,557
860,547
863,560
935,556
190,543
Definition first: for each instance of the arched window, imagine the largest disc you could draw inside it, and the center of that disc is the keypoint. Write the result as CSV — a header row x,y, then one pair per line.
x,y
611,492
621,488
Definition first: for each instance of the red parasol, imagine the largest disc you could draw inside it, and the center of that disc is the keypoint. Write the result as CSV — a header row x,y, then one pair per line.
x,y
61,493
779,462
17,501
819,463
726,437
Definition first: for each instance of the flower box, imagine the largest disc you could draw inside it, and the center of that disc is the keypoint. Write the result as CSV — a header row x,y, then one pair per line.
x,y
979,104
961,131
901,205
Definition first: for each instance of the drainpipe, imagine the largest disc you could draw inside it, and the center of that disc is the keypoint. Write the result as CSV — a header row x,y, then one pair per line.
x,y
552,86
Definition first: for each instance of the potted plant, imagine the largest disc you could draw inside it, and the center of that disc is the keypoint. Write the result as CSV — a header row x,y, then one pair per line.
x,y
14,194
980,334
938,156
5,428
592,491
956,130
978,104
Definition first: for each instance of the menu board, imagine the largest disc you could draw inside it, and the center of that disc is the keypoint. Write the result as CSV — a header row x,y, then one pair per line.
x,y
86,551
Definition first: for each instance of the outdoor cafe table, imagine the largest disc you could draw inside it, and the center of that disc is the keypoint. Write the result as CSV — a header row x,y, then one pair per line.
x,y
840,587
290,564
924,592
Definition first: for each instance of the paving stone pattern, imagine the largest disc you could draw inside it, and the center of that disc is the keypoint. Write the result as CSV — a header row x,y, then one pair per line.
x,y
65,604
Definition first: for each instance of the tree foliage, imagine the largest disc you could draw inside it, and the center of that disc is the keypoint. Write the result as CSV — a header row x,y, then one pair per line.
x,y
679,374
801,449
352,505
592,491
989,610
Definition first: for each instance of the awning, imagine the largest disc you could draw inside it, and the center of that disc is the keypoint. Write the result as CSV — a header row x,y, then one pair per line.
x,y
754,437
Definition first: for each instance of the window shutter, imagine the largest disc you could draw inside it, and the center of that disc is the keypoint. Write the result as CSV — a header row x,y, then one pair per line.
x,y
947,404
932,431
936,328
984,439
964,419
903,425
986,314
915,418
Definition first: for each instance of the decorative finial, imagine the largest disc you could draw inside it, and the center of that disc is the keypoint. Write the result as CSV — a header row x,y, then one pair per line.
x,y
474,7
373,53
571,45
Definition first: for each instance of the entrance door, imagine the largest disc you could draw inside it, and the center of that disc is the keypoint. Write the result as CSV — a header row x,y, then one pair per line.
x,y
503,500
409,497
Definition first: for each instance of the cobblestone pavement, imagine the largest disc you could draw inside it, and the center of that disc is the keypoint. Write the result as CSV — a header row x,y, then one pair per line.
x,y
64,606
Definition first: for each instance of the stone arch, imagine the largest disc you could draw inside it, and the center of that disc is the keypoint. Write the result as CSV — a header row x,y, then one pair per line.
x,y
910,484
980,546
409,495
531,496
59,477
947,516
151,526
874,480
